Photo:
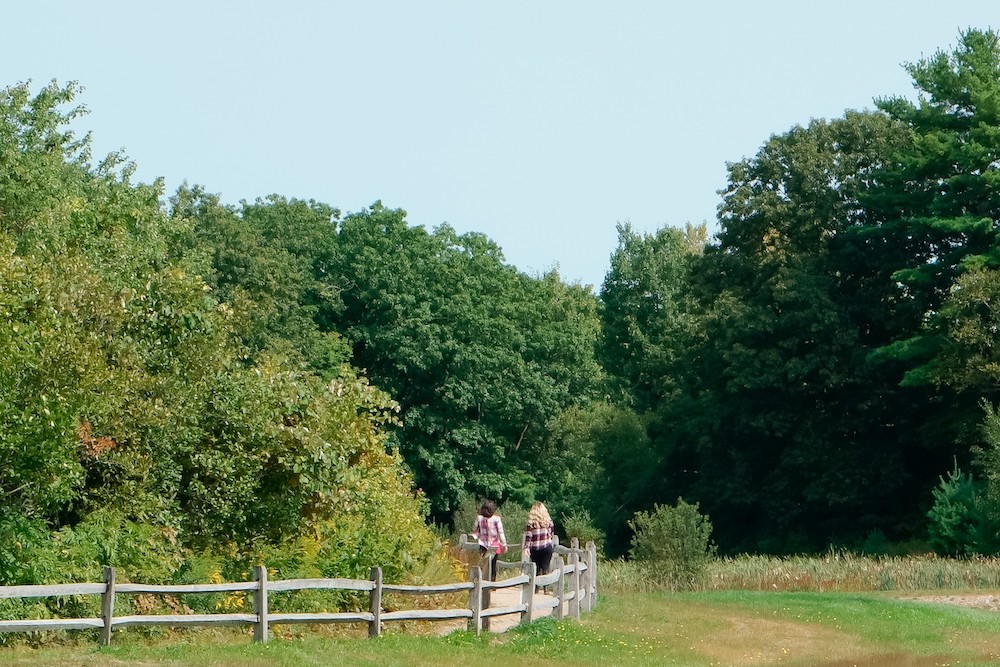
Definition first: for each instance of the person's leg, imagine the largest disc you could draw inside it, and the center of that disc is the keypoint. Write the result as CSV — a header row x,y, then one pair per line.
x,y
544,559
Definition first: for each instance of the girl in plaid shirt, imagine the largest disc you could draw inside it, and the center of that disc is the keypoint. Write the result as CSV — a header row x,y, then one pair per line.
x,y
489,532
538,537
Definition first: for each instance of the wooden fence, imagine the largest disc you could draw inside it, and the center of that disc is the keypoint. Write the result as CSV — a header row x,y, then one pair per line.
x,y
573,582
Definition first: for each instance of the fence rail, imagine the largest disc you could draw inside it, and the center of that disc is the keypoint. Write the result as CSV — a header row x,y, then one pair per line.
x,y
573,582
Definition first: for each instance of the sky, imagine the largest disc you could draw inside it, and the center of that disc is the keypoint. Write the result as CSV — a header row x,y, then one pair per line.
x,y
541,124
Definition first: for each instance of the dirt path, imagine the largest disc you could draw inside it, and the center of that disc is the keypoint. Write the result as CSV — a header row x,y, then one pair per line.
x,y
981,601
506,597
509,597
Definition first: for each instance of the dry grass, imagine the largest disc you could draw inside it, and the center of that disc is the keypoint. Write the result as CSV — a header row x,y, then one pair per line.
x,y
836,571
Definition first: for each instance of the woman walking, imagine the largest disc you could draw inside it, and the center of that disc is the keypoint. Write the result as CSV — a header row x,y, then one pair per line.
x,y
488,531
538,537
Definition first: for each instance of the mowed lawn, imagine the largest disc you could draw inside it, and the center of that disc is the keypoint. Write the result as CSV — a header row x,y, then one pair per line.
x,y
686,629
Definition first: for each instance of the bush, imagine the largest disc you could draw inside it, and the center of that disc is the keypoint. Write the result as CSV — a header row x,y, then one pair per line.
x,y
580,524
957,520
673,544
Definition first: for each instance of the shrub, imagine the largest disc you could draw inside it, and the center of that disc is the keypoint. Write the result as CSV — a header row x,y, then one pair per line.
x,y
956,521
673,543
580,524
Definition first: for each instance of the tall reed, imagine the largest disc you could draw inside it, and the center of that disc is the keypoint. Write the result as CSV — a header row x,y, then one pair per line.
x,y
835,571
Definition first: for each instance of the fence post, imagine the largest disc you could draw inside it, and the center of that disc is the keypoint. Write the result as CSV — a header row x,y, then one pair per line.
x,y
592,564
528,592
557,588
475,597
261,632
108,605
574,582
375,603
584,582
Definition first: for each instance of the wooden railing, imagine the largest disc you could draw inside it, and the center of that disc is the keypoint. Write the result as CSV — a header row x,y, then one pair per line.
x,y
573,582
573,579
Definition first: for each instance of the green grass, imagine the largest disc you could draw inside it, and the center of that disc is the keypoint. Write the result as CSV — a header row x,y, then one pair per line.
x,y
701,629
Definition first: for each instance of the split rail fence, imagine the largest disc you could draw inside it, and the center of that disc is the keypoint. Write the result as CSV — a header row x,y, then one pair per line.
x,y
573,581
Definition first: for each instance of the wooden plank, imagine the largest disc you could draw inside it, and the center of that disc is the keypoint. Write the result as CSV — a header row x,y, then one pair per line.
x,y
375,603
574,583
186,588
107,606
342,617
186,619
506,583
527,592
546,603
476,600
558,587
51,590
426,614
547,579
502,611
51,624
261,632
438,588
302,584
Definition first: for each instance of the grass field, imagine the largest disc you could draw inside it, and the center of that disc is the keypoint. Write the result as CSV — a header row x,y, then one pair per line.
x,y
729,628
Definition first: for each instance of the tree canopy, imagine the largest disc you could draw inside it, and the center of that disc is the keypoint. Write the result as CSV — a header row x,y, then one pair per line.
x,y
281,374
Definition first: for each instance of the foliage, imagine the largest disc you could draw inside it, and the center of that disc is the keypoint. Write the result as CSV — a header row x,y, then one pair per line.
x,y
581,526
674,543
774,384
142,423
957,520
646,312
479,356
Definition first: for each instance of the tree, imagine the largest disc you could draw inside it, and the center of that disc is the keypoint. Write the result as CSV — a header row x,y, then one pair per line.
x,y
644,313
937,201
479,356
270,263
782,428
127,401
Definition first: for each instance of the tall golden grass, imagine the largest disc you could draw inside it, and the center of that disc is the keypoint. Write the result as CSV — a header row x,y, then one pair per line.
x,y
835,571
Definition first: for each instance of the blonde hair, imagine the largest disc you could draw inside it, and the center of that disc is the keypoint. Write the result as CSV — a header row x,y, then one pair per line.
x,y
538,515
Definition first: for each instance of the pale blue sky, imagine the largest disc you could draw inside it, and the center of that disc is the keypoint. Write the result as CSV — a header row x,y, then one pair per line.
x,y
540,124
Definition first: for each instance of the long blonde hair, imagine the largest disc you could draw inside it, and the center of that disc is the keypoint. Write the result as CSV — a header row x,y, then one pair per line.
x,y
538,515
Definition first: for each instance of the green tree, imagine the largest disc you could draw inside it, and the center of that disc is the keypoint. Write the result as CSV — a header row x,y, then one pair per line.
x,y
937,202
782,428
479,356
270,263
644,315
128,403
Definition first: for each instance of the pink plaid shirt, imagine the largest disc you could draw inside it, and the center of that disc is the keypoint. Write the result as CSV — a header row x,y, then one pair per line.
x,y
489,532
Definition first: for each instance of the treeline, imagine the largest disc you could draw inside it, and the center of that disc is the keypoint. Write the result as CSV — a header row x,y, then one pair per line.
x,y
194,377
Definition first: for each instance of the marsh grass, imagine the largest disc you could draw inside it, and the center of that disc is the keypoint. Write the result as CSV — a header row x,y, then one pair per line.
x,y
835,571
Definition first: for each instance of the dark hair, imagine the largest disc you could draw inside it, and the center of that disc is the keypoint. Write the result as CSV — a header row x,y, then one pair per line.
x,y
488,508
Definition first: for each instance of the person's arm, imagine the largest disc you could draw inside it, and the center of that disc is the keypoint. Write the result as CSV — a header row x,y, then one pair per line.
x,y
500,534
